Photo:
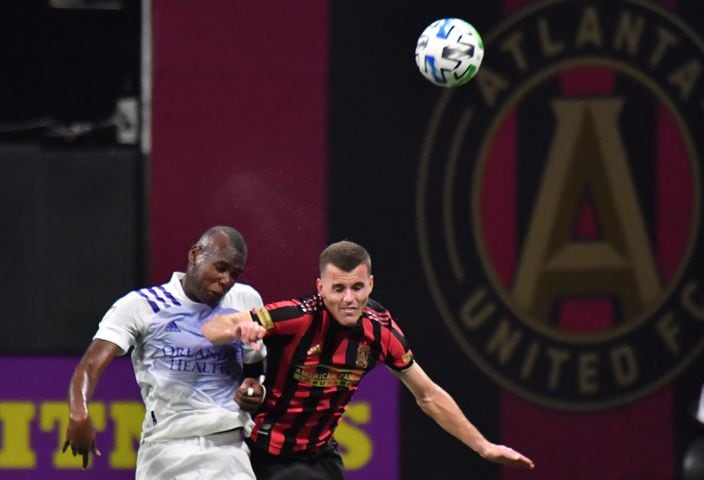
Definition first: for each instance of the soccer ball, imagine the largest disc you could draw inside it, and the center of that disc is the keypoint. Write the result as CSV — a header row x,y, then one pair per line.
x,y
449,52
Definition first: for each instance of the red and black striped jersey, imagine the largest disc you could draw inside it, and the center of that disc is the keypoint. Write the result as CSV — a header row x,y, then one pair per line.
x,y
315,366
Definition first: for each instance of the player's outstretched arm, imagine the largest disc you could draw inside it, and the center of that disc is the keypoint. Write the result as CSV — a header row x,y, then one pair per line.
x,y
80,435
228,327
440,406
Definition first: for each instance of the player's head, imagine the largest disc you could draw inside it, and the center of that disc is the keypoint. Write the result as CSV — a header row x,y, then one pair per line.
x,y
214,264
345,281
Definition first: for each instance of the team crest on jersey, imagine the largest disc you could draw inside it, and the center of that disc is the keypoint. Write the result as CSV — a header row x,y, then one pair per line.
x,y
559,200
362,360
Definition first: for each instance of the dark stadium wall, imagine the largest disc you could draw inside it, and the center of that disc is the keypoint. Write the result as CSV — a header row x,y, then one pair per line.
x,y
239,112
380,108
67,215
607,390
71,193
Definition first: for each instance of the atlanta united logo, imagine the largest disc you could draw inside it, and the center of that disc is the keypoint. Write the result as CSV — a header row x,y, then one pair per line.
x,y
362,360
559,203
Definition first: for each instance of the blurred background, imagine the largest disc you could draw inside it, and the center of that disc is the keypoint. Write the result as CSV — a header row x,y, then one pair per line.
x,y
537,233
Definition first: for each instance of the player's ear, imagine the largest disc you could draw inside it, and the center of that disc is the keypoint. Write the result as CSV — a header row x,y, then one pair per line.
x,y
319,285
371,283
192,254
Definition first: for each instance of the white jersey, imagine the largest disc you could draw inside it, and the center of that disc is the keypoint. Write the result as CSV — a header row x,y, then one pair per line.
x,y
187,383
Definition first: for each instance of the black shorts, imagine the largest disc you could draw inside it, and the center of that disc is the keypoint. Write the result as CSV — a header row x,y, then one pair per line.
x,y
325,464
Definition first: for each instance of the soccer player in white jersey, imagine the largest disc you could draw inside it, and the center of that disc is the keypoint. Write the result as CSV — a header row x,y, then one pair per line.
x,y
192,429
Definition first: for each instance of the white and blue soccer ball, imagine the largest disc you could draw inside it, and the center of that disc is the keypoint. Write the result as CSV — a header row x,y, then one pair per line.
x,y
449,52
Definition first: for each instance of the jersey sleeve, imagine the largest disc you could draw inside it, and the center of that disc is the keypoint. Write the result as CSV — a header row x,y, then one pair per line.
x,y
243,297
282,318
399,356
123,323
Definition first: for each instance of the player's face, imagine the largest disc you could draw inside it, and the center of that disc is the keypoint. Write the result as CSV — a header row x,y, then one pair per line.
x,y
345,293
212,270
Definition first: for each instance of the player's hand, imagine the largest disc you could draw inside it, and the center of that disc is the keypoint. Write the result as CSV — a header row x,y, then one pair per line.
x,y
250,333
250,395
226,328
506,456
80,436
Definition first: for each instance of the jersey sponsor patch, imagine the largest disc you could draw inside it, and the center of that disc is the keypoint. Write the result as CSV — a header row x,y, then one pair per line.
x,y
327,376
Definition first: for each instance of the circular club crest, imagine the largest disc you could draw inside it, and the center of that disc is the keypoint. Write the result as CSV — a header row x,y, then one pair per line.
x,y
559,203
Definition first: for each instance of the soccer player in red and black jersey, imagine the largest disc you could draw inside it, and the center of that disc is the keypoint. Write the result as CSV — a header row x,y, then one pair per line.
x,y
320,347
